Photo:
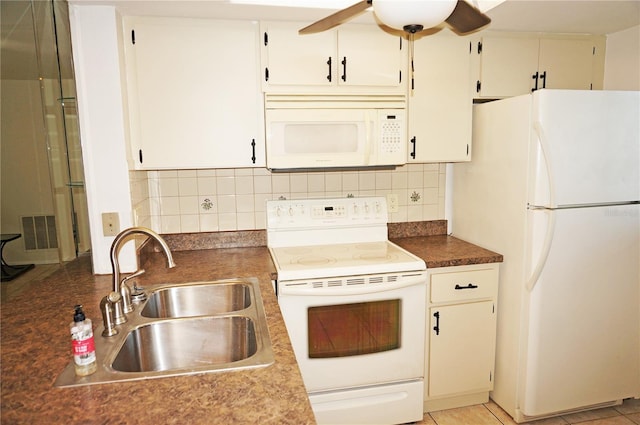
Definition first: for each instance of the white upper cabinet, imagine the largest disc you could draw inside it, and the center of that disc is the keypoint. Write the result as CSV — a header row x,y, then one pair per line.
x,y
507,66
440,103
194,93
368,56
515,64
567,63
349,59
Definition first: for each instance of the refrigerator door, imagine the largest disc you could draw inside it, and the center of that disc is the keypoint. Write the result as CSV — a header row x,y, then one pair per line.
x,y
583,330
590,155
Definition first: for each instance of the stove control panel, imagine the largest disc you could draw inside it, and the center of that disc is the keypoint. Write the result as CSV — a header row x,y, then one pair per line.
x,y
335,212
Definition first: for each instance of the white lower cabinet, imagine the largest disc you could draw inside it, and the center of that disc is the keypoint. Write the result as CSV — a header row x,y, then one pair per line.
x,y
461,325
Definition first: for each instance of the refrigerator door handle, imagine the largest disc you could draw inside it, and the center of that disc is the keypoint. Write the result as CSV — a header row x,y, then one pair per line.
x,y
548,237
544,148
574,206
544,254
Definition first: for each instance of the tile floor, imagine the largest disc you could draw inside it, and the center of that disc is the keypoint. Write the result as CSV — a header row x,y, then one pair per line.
x,y
491,414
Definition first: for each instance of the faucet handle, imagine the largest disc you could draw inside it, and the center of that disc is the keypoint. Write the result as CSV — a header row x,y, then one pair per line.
x,y
107,306
132,275
127,307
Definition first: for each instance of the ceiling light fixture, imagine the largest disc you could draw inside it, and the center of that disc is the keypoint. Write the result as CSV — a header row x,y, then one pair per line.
x,y
413,15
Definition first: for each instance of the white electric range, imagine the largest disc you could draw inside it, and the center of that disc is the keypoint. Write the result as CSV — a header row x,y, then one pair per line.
x,y
354,304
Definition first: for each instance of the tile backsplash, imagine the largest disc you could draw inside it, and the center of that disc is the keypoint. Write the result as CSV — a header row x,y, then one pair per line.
x,y
211,200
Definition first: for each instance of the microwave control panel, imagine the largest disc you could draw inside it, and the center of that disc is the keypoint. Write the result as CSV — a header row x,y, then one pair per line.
x,y
392,131
391,136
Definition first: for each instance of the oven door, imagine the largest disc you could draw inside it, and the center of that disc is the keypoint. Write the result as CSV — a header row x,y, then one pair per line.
x,y
346,337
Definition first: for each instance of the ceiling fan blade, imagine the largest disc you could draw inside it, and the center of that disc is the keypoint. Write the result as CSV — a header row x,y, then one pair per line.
x,y
336,18
466,18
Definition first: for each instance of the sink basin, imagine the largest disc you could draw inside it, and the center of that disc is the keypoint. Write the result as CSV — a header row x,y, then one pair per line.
x,y
184,344
198,300
183,329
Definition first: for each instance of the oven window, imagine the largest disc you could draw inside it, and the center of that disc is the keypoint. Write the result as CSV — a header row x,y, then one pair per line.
x,y
354,329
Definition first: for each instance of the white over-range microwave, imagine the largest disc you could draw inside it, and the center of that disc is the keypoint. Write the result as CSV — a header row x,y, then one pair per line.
x,y
315,132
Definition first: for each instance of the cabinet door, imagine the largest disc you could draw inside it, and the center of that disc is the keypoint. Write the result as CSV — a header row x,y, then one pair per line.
x,y
368,56
567,64
293,59
461,348
507,66
194,93
440,104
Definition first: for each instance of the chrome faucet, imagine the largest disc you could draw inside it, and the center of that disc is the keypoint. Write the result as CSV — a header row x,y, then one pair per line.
x,y
123,305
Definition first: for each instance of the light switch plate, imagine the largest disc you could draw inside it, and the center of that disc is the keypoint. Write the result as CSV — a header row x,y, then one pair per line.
x,y
110,224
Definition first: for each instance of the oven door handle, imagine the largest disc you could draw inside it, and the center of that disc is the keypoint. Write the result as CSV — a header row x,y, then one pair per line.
x,y
310,288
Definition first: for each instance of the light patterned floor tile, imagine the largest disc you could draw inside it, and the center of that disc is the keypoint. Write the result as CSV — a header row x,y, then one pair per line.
x,y
591,415
492,414
507,420
635,417
471,415
616,420
630,405
426,420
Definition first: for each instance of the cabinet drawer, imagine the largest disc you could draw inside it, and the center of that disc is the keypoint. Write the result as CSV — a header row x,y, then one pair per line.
x,y
464,285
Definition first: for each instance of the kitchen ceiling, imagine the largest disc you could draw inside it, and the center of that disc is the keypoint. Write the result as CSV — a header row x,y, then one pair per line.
x,y
566,16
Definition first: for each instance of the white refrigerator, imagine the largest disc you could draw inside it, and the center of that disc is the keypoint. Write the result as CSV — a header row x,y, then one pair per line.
x,y
554,185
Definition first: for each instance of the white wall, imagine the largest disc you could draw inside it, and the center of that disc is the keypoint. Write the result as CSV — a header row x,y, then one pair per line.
x,y
622,60
95,34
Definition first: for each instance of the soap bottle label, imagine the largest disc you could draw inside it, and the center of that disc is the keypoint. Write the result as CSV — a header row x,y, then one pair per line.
x,y
84,350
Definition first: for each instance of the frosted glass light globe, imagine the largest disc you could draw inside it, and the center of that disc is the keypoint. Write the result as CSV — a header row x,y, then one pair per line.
x,y
399,13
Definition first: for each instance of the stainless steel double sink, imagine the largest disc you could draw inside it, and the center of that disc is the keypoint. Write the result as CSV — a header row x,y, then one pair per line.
x,y
184,329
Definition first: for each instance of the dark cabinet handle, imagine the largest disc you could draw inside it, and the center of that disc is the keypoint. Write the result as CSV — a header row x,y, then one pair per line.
x,y
543,77
469,286
344,69
535,77
329,77
413,149
437,326
253,150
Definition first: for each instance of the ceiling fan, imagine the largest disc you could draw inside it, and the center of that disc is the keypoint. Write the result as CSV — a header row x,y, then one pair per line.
x,y
411,16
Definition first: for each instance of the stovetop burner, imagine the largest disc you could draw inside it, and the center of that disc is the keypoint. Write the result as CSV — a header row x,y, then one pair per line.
x,y
342,260
308,239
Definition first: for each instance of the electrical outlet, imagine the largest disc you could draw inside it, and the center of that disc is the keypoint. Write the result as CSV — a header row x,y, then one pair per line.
x,y
392,203
110,224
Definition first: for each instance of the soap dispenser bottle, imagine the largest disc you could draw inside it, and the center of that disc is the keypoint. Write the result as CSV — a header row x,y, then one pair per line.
x,y
84,349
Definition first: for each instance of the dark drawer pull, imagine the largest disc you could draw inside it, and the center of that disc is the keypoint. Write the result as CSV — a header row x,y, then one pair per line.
x,y
469,286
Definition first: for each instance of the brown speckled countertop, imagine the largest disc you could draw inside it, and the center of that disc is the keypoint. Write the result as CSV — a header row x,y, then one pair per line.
x,y
446,251
36,347
35,344
429,241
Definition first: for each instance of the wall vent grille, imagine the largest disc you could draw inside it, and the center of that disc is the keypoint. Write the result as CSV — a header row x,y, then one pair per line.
x,y
39,232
